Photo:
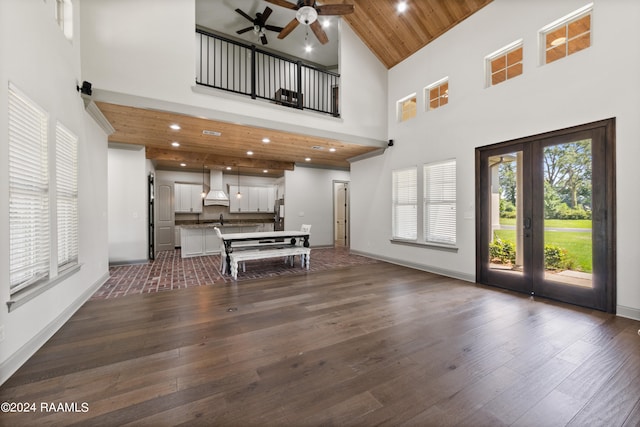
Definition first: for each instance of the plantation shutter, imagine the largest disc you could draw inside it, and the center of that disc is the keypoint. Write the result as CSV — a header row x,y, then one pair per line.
x,y
405,203
440,202
67,196
28,192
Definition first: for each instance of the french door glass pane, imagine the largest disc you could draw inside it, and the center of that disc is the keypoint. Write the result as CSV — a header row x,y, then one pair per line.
x,y
567,213
506,243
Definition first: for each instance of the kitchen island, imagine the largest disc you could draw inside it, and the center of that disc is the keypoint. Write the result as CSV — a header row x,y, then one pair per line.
x,y
201,239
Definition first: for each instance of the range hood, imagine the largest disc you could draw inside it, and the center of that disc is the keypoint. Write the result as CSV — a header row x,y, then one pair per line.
x,y
216,195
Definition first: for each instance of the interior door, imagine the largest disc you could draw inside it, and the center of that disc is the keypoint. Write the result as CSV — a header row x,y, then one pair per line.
x,y
341,213
164,217
546,214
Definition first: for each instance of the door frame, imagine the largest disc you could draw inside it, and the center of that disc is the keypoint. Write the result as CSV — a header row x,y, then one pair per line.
x,y
607,302
347,220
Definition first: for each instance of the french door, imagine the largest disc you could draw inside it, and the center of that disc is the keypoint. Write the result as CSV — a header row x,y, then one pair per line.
x,y
545,222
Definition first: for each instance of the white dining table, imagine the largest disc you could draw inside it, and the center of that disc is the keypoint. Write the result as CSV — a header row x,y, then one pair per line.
x,y
260,238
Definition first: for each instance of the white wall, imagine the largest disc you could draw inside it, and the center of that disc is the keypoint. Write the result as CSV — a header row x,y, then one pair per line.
x,y
309,200
146,49
597,83
128,205
46,66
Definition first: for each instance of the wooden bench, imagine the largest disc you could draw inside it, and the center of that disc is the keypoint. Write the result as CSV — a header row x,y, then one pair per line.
x,y
254,254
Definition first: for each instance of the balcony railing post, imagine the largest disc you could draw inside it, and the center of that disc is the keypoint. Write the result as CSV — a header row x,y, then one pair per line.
x,y
254,72
299,78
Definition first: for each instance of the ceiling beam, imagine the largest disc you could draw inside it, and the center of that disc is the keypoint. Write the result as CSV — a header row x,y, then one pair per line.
x,y
210,159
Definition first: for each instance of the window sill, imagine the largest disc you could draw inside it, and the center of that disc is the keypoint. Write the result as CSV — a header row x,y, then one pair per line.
x,y
436,246
22,297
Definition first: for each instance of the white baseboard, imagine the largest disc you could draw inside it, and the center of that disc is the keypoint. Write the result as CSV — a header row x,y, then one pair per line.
x,y
628,312
422,267
17,359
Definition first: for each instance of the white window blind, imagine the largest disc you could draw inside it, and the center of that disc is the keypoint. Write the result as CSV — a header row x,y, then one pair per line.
x,y
440,202
28,192
405,203
67,196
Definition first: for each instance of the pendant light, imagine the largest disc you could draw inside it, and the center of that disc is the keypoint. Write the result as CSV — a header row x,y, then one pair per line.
x,y
239,195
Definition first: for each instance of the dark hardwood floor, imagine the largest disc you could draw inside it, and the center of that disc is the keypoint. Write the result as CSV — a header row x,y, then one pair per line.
x,y
360,345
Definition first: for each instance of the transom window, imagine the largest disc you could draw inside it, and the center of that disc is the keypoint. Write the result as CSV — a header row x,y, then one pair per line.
x,y
504,64
437,94
566,36
407,108
64,17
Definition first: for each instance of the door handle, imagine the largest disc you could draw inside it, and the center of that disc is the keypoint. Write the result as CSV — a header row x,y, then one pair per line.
x,y
527,223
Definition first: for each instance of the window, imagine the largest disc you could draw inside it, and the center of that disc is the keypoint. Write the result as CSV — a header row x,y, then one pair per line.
x,y
407,108
440,202
437,94
64,17
405,203
567,35
504,64
67,196
28,192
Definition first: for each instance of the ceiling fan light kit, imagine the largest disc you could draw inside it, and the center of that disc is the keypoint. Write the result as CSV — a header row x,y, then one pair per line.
x,y
306,15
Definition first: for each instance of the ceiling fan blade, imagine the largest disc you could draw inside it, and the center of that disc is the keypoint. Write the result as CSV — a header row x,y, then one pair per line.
x,y
309,2
283,3
244,30
263,39
290,27
335,9
273,28
265,15
244,14
319,32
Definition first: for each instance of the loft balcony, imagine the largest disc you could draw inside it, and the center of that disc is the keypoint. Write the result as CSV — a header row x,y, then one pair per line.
x,y
247,70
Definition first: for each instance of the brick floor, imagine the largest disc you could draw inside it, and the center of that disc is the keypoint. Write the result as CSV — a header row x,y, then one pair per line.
x,y
170,271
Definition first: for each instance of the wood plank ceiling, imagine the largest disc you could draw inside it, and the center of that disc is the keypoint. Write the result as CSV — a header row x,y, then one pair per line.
x,y
390,35
394,36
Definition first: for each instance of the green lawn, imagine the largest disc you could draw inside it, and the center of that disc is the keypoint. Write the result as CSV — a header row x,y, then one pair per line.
x,y
555,223
577,244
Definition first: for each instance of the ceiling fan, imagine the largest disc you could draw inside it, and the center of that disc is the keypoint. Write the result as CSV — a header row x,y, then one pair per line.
x,y
307,14
259,24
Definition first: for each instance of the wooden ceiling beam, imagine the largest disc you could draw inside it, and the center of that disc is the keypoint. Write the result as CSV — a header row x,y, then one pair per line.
x,y
210,159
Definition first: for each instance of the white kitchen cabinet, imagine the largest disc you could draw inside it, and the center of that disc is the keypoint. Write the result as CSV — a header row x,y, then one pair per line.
x,y
192,242
176,240
254,199
188,198
211,242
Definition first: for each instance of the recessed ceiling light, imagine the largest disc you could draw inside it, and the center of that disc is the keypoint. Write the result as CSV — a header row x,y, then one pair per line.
x,y
175,144
326,23
265,171
317,147
333,150
308,48
266,140
211,132
228,168
183,164
307,159
401,7
175,126
249,153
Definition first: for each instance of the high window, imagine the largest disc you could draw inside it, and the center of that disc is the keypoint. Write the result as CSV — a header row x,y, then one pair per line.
x,y
64,17
437,94
440,202
67,196
28,192
567,35
405,203
504,64
407,108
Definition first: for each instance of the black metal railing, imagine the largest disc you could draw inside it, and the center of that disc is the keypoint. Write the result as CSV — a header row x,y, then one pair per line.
x,y
247,70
